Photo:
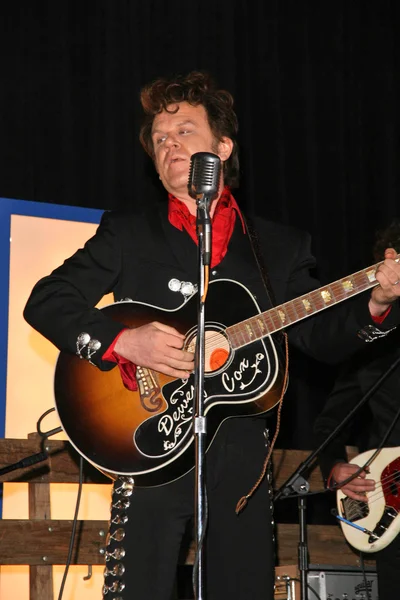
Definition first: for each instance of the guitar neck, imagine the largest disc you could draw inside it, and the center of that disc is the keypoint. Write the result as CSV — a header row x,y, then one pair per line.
x,y
279,317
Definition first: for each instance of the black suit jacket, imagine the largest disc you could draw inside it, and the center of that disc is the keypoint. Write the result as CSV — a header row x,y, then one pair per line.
x,y
136,255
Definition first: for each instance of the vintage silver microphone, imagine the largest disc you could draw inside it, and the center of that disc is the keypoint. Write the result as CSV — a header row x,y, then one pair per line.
x,y
204,179
204,176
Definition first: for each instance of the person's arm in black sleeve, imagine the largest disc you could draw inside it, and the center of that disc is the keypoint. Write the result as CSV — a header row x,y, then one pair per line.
x,y
62,305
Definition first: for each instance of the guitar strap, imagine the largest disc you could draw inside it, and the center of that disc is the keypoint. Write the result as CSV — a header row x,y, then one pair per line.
x,y
255,246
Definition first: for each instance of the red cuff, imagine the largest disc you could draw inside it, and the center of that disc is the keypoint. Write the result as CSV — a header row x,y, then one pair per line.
x,y
109,354
381,318
126,368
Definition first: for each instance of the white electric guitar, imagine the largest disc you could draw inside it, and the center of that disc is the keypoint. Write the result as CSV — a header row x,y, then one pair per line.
x,y
372,525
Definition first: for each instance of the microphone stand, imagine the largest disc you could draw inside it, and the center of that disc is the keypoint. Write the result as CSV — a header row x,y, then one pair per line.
x,y
200,426
297,484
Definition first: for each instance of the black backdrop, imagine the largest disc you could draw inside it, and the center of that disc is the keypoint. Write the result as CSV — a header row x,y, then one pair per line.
x,y
317,93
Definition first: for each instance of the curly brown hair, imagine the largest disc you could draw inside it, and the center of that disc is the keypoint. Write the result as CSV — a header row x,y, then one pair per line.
x,y
196,88
387,238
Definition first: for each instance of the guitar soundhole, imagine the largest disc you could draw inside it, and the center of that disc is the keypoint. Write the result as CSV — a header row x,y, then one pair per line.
x,y
217,349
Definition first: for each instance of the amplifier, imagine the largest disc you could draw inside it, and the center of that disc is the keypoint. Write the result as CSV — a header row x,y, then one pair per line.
x,y
342,585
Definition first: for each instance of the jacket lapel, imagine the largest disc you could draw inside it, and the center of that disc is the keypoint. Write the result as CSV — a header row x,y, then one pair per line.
x,y
179,243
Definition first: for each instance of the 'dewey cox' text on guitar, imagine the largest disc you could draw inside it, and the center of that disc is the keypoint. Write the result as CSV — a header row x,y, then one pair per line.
x,y
148,434
373,524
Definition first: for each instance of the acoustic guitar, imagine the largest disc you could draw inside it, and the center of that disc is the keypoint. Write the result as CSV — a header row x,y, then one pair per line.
x,y
148,433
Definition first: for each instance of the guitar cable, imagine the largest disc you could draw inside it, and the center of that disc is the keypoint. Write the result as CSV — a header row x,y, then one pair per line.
x,y
363,529
364,576
73,531
45,435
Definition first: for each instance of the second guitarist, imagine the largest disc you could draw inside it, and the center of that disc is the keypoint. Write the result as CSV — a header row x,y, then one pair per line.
x,y
367,431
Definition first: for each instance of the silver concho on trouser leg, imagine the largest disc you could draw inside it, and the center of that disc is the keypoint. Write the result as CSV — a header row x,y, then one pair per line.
x,y
114,584
270,489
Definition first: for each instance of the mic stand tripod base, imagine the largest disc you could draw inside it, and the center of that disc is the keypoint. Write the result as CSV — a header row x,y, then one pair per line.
x,y
300,486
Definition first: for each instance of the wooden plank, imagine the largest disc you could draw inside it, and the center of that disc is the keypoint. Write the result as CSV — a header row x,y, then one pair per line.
x,y
326,544
46,542
41,583
37,542
39,501
62,466
287,462
40,577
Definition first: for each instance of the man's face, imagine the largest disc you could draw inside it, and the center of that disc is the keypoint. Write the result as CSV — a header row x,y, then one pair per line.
x,y
176,136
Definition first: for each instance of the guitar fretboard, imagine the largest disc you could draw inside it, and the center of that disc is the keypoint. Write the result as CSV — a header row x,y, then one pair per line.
x,y
279,317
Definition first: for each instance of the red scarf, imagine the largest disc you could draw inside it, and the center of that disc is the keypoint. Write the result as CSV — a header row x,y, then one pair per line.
x,y
223,222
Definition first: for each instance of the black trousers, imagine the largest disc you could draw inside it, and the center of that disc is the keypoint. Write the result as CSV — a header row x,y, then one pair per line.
x,y
388,570
150,522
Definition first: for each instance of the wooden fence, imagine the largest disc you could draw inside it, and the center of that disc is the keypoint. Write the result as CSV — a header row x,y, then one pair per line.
x,y
41,542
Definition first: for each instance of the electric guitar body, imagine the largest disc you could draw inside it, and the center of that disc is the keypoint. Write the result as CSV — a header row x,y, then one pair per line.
x,y
380,515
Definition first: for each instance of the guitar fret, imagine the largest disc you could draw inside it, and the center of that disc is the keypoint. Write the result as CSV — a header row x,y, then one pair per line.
x,y
370,275
268,322
250,331
235,336
347,286
259,322
326,295
281,316
317,300
308,304
299,308
364,279
240,337
282,313
269,319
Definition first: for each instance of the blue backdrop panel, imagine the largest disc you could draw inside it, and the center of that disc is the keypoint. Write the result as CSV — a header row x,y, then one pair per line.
x,y
10,207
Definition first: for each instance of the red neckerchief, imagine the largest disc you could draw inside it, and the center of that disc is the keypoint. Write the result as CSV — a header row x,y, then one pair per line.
x,y
223,222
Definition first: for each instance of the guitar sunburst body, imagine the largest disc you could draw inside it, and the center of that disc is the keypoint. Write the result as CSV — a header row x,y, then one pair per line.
x,y
148,434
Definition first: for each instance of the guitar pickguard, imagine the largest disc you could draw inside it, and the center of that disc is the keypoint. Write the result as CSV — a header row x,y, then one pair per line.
x,y
248,372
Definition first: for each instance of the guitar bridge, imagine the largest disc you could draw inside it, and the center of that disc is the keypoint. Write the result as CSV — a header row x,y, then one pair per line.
x,y
354,510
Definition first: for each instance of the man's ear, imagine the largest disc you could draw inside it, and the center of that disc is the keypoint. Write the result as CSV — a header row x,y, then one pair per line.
x,y
225,147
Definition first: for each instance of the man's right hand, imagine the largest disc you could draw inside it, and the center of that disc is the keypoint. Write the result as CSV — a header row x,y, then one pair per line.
x,y
156,346
357,487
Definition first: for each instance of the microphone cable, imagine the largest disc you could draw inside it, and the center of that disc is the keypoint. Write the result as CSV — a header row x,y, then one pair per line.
x,y
73,531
